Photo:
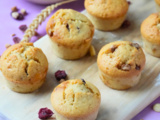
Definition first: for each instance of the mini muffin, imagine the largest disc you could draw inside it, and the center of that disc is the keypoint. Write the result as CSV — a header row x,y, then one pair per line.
x,y
24,67
150,31
70,33
157,5
76,100
106,14
120,64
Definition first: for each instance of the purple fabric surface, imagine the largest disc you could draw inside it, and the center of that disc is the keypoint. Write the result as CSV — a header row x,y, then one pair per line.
x,y
148,113
8,26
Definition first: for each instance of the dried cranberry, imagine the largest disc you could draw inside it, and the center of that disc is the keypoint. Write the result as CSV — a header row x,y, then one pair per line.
x,y
138,67
126,24
23,28
20,17
129,2
45,113
67,26
60,74
16,40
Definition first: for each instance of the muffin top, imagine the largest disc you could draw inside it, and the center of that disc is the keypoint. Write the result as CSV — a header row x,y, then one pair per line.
x,y
23,62
121,59
150,28
106,8
158,2
74,98
69,28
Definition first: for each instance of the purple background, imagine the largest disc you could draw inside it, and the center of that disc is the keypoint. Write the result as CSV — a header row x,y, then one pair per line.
x,y
8,26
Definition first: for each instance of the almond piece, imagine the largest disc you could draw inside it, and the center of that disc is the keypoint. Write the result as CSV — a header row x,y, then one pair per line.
x,y
14,9
92,51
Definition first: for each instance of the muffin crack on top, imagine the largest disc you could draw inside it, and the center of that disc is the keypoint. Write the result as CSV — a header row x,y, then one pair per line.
x,y
21,58
73,99
21,53
24,67
83,89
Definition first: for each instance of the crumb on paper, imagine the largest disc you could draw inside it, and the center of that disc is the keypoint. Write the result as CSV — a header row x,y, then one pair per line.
x,y
92,51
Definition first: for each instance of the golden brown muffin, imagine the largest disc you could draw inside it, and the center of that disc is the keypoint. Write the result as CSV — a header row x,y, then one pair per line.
x,y
157,5
76,100
71,33
150,31
24,67
120,64
106,14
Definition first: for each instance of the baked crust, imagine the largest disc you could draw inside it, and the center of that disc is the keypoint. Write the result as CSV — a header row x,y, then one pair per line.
x,y
110,62
158,2
149,29
70,28
106,8
23,64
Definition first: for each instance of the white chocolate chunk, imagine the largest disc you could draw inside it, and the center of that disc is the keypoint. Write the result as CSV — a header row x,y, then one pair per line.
x,y
156,107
